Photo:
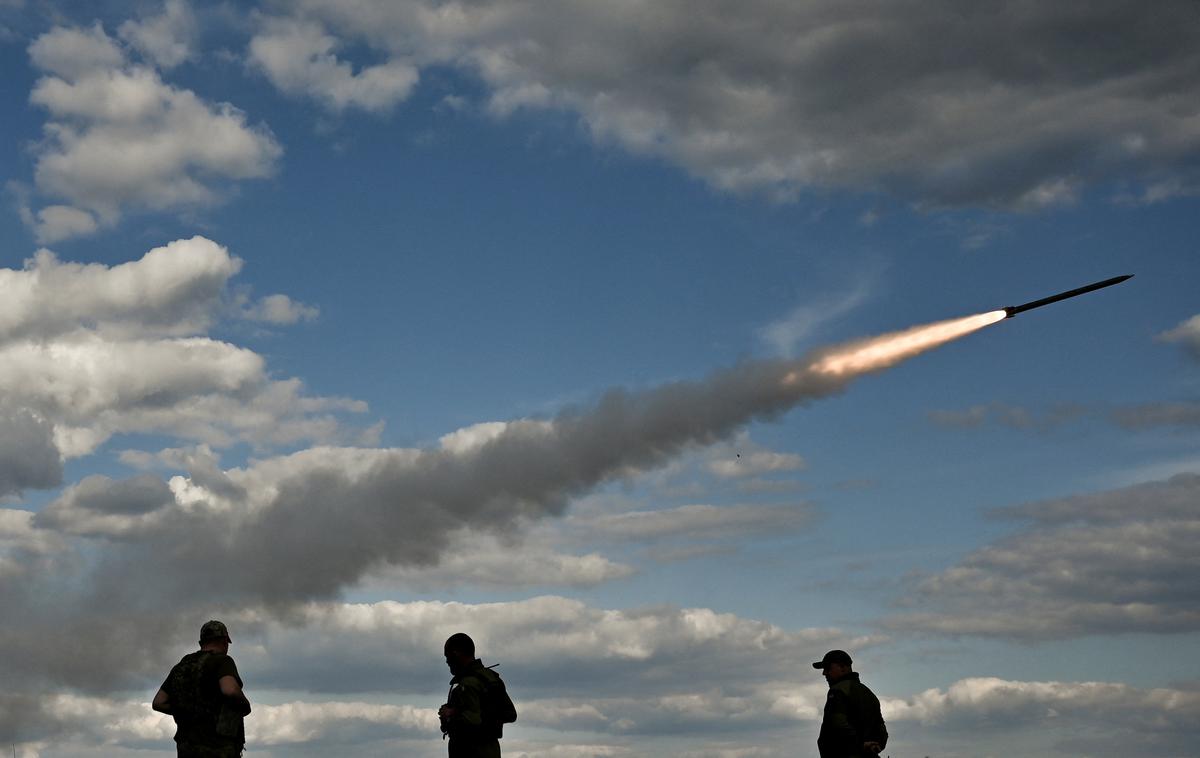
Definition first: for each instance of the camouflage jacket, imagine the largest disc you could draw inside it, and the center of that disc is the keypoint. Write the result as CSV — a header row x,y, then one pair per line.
x,y
482,707
202,715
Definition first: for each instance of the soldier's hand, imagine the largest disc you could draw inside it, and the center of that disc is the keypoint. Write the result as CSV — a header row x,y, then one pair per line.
x,y
873,748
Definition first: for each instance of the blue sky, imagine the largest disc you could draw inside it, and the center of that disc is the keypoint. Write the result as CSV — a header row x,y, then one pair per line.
x,y
360,324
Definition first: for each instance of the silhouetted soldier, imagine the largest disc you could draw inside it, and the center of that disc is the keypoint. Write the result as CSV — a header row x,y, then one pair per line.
x,y
204,694
853,726
478,705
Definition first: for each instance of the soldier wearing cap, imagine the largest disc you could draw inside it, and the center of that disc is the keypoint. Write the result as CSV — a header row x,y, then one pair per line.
x,y
852,726
204,694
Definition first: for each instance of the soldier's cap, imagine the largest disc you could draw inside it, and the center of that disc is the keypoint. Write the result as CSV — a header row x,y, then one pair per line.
x,y
214,630
833,656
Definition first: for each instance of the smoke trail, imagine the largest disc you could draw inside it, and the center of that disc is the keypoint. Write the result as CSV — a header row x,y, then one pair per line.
x,y
304,527
406,506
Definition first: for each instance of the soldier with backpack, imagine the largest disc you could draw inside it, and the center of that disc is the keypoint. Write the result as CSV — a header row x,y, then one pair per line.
x,y
478,705
204,694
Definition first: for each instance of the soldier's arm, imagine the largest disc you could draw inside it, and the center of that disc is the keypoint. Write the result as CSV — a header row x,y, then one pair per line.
x,y
161,702
233,692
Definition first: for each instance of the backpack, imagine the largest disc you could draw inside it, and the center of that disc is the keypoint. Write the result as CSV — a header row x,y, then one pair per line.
x,y
497,706
196,699
190,689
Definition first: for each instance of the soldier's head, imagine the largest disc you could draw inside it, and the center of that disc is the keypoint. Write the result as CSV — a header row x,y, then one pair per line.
x,y
460,652
835,665
214,636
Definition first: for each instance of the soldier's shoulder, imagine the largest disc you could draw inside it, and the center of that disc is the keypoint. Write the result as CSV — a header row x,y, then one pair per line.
x,y
474,680
488,675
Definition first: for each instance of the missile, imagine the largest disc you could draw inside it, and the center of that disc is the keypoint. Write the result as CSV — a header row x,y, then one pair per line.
x,y
1013,310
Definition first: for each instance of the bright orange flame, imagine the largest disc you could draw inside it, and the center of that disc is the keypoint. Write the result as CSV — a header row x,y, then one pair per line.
x,y
886,350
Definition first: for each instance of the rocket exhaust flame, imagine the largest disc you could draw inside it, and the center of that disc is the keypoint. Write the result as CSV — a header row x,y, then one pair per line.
x,y
886,350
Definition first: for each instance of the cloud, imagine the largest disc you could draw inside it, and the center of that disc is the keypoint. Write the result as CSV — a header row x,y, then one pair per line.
x,y
984,711
100,506
755,462
165,39
23,547
120,138
59,222
1181,414
700,521
107,723
28,456
1186,334
1008,415
95,350
74,53
1019,108
298,58
970,703
172,290
1105,563
784,335
548,648
280,310
485,561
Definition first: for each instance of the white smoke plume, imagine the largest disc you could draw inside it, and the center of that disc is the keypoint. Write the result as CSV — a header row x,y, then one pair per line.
x,y
304,527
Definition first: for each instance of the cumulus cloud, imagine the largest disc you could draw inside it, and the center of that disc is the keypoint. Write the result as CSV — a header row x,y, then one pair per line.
x,y
1186,334
759,711
88,351
562,648
1023,107
279,310
1108,562
298,57
120,138
165,39
172,290
1118,719
570,666
498,562
969,703
111,723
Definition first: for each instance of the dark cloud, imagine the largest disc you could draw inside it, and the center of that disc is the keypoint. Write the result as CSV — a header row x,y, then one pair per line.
x,y
28,456
1017,106
131,497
